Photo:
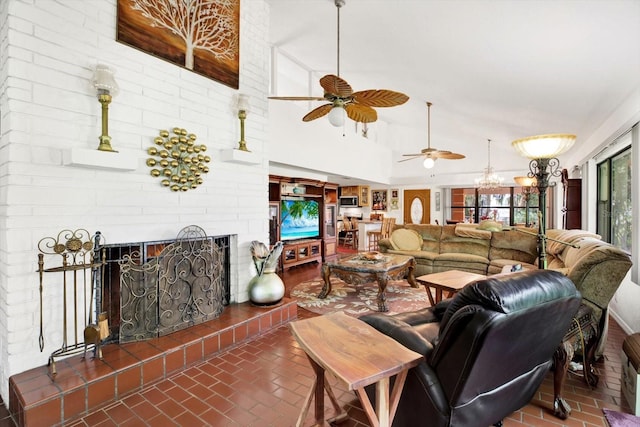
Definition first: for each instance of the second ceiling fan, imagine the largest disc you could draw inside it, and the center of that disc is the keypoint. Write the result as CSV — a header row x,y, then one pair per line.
x,y
432,154
341,97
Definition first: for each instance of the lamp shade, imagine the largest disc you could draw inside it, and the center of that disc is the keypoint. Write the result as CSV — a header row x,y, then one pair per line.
x,y
525,181
336,116
544,146
103,80
243,102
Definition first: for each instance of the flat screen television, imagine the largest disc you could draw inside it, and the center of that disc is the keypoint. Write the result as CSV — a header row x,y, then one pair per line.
x,y
299,219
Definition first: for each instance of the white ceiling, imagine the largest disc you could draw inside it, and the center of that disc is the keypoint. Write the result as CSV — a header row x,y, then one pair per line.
x,y
494,69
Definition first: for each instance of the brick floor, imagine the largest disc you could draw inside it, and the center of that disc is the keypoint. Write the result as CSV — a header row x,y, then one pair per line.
x,y
263,382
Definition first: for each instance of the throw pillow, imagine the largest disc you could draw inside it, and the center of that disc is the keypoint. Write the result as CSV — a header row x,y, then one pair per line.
x,y
403,239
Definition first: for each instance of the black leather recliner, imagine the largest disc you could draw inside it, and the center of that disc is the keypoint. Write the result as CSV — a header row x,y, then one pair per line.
x,y
486,350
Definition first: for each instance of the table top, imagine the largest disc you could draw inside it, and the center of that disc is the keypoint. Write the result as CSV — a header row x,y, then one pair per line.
x,y
370,262
451,279
352,350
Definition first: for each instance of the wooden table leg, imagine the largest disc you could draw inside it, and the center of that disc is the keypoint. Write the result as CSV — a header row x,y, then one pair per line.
x,y
316,392
411,278
386,405
561,359
438,294
326,288
382,279
382,402
427,288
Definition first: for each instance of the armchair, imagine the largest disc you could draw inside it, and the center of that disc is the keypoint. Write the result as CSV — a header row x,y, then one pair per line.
x,y
487,350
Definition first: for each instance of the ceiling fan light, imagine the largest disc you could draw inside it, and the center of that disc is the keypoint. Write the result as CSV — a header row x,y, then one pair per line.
x,y
428,163
336,116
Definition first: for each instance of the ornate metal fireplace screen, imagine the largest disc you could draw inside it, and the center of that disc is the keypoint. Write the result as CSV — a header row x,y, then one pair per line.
x,y
184,285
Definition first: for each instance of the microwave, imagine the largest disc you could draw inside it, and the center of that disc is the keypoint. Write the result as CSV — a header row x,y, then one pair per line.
x,y
349,201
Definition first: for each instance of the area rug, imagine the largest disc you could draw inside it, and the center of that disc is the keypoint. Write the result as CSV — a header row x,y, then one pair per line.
x,y
356,300
618,419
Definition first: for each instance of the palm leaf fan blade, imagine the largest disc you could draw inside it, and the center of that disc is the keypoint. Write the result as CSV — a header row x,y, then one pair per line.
x,y
297,98
361,113
318,112
380,98
335,85
450,156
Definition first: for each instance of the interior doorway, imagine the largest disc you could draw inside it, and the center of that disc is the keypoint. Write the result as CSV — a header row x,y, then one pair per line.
x,y
417,206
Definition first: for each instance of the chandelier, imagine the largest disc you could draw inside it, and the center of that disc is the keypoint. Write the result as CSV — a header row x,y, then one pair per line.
x,y
489,178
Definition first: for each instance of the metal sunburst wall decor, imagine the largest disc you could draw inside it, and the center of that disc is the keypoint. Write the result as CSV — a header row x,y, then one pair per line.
x,y
178,160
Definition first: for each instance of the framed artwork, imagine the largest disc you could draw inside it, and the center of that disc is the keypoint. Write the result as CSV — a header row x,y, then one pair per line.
x,y
200,35
438,201
379,200
394,199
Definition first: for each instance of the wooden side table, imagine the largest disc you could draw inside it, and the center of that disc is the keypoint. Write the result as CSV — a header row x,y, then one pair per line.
x,y
358,355
450,281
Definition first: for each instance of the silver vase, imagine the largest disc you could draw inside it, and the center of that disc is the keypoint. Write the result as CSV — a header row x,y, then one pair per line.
x,y
266,289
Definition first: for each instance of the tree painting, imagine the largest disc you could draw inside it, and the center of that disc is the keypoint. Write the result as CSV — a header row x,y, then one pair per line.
x,y
200,35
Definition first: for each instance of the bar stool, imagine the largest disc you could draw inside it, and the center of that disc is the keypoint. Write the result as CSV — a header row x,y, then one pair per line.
x,y
351,233
374,236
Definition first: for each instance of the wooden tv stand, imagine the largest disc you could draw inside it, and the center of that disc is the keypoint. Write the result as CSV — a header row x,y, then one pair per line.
x,y
298,252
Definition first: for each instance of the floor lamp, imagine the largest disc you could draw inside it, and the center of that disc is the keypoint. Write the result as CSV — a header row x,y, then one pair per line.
x,y
543,151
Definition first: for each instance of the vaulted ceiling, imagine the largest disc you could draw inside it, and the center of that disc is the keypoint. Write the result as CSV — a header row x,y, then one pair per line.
x,y
498,69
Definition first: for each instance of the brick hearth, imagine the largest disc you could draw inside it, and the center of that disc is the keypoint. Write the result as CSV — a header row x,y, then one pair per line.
x,y
81,385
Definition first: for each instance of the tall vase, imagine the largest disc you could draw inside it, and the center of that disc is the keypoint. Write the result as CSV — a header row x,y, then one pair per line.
x,y
266,289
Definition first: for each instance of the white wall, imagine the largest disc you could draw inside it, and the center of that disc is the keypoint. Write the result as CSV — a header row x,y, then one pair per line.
x,y
48,106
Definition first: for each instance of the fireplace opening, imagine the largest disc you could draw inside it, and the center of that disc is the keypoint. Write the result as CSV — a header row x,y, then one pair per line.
x,y
153,288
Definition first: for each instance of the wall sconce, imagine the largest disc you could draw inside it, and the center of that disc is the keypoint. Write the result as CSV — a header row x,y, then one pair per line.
x,y
107,88
543,150
243,109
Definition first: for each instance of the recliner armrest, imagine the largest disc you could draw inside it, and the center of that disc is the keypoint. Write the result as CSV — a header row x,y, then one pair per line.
x,y
400,331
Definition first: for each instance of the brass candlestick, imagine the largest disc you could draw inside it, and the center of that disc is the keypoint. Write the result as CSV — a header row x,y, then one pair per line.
x,y
105,139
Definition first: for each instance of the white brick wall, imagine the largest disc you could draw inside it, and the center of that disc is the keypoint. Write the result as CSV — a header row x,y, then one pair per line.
x,y
47,105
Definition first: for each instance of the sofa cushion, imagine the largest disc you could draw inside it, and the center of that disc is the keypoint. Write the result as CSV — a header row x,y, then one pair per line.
x,y
404,239
569,236
460,261
472,231
430,235
450,243
422,257
490,225
520,246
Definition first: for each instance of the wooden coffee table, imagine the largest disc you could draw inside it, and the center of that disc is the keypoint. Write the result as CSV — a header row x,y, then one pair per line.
x,y
358,355
366,267
450,281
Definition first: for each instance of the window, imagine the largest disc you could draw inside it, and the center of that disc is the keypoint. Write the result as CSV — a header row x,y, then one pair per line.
x,y
508,205
614,199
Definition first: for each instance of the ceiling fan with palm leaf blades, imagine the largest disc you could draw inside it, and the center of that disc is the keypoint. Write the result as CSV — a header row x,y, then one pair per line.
x,y
432,154
341,97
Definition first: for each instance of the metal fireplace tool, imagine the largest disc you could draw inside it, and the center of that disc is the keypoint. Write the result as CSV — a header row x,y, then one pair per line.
x,y
82,260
